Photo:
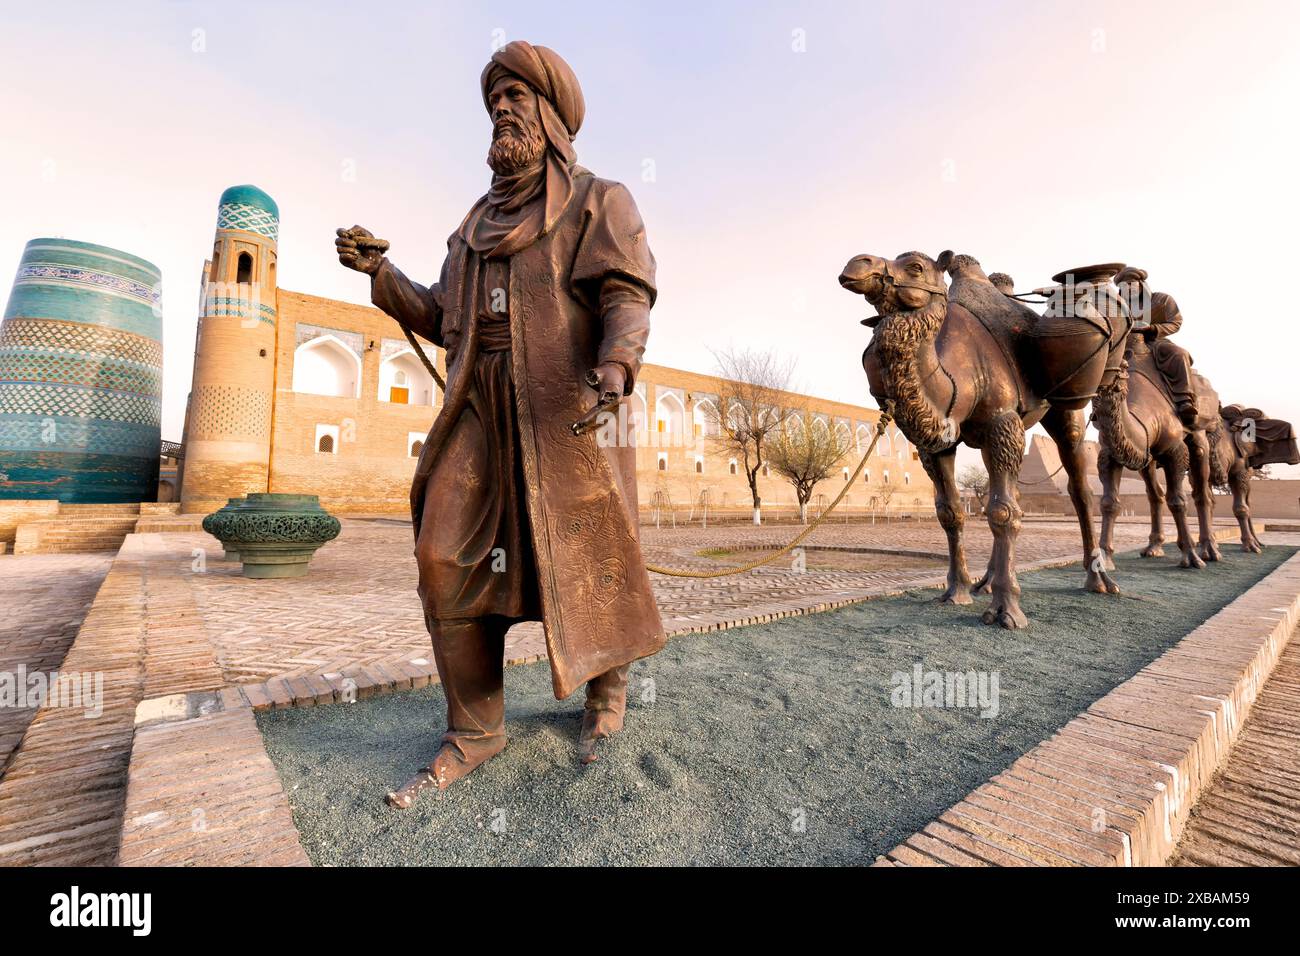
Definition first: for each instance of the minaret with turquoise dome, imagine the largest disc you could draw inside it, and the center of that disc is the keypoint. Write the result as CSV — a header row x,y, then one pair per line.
x,y
228,421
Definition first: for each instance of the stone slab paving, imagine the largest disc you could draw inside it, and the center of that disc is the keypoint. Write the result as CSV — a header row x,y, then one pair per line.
x,y
1250,815
1116,785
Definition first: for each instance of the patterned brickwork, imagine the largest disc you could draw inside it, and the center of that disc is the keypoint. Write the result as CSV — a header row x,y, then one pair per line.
x,y
228,411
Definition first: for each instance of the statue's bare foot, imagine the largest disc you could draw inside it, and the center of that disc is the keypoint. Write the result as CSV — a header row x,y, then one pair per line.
x,y
596,725
447,767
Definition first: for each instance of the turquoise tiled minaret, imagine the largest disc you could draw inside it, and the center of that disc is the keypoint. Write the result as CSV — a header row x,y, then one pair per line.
x,y
81,375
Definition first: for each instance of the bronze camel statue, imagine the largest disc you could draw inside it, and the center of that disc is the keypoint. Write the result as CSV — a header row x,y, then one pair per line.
x,y
1140,429
970,364
1245,441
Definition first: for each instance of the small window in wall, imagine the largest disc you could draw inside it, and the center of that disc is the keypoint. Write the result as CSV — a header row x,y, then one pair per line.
x,y
767,471
886,478
907,478
731,466
245,272
866,476
327,439
414,444
846,474
663,461
699,464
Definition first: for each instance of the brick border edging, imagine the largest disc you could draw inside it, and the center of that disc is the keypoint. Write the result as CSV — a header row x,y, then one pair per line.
x,y
1115,785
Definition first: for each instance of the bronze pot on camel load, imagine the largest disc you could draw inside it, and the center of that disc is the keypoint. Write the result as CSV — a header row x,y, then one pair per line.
x,y
968,363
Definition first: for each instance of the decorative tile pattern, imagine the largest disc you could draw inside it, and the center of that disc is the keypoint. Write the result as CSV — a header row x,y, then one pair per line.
x,y
81,375
27,398
78,338
60,434
238,215
240,308
47,273
34,367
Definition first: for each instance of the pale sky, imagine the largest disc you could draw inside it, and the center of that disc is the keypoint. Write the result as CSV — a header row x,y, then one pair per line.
x,y
766,144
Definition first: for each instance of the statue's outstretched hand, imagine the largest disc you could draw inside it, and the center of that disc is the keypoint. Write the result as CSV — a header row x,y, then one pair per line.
x,y
359,249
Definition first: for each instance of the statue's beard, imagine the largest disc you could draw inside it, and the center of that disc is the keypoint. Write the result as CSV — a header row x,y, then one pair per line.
x,y
515,147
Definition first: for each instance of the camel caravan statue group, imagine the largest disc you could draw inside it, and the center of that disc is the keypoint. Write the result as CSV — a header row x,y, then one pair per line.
x,y
966,361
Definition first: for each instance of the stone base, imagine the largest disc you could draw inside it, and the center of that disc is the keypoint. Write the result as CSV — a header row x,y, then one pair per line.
x,y
275,560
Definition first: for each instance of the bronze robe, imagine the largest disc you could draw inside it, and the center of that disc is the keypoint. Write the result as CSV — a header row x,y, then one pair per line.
x,y
571,306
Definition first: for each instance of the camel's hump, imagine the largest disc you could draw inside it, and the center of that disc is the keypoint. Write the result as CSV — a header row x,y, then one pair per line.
x,y
1003,316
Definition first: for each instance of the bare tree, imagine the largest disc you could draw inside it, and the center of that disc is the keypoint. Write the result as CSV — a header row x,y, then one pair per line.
x,y
805,452
750,388
887,489
974,480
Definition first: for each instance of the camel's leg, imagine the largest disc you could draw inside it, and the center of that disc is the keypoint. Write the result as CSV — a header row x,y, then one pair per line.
x,y
1066,429
1175,466
941,467
1002,457
1202,494
1239,480
1109,471
1155,503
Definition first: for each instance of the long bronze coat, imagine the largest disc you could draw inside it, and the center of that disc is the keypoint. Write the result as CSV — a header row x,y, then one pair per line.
x,y
597,605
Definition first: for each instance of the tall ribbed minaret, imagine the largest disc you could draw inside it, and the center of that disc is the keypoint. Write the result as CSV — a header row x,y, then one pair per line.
x,y
228,422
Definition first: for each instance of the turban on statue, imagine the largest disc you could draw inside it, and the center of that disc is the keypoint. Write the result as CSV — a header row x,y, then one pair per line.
x,y
523,206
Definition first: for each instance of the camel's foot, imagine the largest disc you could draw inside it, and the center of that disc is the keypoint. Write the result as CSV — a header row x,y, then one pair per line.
x,y
1099,582
596,726
1208,549
984,585
956,594
1005,612
1191,560
447,767
1153,550
1251,545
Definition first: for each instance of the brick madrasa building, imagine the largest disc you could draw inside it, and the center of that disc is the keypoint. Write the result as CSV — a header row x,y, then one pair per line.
x,y
301,394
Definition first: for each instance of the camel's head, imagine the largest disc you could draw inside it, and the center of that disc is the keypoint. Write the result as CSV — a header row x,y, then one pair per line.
x,y
905,284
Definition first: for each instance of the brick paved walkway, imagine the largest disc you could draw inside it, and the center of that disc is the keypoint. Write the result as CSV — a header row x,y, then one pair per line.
x,y
46,596
358,607
1250,816
164,625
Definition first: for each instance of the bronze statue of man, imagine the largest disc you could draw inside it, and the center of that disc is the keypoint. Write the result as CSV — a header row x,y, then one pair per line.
x,y
1161,316
543,307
